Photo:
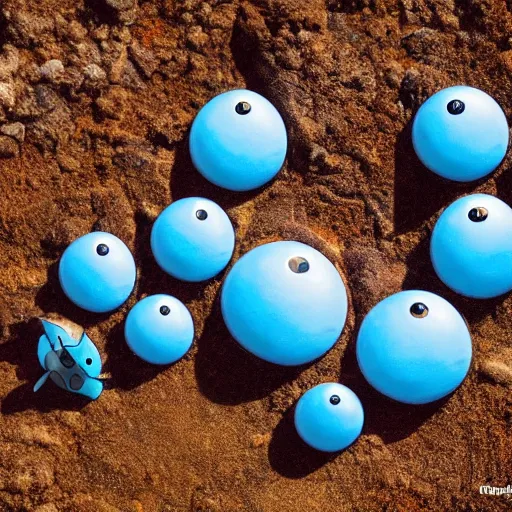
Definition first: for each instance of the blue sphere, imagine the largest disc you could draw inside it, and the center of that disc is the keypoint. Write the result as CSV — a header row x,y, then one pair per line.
x,y
193,239
414,347
471,246
460,133
238,140
159,329
285,302
329,417
97,272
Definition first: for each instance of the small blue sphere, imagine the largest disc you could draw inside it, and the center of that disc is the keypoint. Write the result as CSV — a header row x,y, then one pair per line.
x,y
329,417
97,272
460,133
238,140
159,329
471,246
414,347
285,302
193,239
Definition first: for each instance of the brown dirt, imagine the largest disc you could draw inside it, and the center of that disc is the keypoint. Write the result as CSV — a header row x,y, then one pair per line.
x,y
106,148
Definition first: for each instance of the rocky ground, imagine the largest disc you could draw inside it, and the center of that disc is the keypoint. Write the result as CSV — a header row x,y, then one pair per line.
x,y
96,98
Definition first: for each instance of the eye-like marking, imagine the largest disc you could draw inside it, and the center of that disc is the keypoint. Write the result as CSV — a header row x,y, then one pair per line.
x,y
460,133
165,310
471,246
242,108
97,284
238,140
201,214
478,214
298,264
419,310
329,417
188,247
335,399
102,249
88,361
410,360
456,107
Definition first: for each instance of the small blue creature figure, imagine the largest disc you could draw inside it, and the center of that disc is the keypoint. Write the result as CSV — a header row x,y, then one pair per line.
x,y
72,364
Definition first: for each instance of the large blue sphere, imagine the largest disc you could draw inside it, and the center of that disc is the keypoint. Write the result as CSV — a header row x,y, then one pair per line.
x,y
193,239
97,272
414,347
285,302
238,140
159,329
471,246
460,133
329,417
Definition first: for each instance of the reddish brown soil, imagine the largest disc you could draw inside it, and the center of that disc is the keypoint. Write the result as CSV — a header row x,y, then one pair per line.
x,y
106,148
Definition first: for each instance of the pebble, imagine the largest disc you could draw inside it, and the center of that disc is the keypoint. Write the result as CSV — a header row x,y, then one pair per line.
x,y
8,147
144,58
496,369
121,5
67,163
7,94
94,73
14,130
51,70
46,97
47,507
9,61
112,103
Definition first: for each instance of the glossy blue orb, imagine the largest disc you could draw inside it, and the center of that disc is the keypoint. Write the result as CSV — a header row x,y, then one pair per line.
x,y
97,272
471,246
193,239
414,347
285,302
329,417
238,140
159,329
460,133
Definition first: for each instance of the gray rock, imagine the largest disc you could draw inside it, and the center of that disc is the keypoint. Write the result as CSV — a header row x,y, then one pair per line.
x,y
52,70
14,130
46,97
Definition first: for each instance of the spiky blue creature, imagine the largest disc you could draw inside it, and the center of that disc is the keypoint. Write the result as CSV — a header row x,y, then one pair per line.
x,y
74,365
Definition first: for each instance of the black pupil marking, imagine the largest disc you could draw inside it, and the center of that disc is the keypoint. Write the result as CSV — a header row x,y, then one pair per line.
x,y
88,361
102,249
201,214
478,214
243,108
298,264
335,400
165,310
419,310
456,107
